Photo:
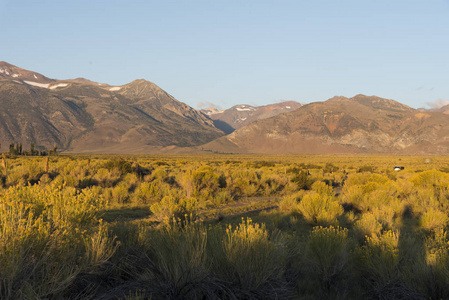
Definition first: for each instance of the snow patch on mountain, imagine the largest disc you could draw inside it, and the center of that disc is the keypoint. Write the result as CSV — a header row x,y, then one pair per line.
x,y
245,108
58,85
42,85
5,71
115,88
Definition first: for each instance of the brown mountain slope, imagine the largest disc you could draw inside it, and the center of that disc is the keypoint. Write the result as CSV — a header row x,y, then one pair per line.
x,y
342,125
140,115
84,116
9,71
241,115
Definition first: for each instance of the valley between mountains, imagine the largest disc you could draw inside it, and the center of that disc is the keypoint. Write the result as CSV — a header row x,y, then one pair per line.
x,y
82,116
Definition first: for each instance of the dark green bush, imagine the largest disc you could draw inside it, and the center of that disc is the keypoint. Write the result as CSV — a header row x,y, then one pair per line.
x,y
123,166
303,180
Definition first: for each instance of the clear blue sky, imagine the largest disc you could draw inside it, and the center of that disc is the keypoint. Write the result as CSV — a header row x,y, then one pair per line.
x,y
232,52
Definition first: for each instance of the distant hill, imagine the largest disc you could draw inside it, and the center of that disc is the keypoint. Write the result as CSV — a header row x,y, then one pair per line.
x,y
362,124
241,115
84,116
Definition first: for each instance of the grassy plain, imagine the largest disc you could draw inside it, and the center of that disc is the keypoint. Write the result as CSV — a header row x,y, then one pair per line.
x,y
224,227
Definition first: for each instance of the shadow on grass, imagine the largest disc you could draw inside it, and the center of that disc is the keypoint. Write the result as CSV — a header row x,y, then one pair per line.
x,y
125,213
234,213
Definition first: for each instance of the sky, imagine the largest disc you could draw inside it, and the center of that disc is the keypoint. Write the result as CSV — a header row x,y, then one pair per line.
x,y
239,52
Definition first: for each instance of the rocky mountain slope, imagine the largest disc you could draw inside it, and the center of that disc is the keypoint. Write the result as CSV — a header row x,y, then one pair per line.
x,y
362,124
83,116
241,115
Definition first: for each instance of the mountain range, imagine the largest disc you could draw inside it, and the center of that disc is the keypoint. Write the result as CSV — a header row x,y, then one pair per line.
x,y
82,116
361,124
79,115
241,115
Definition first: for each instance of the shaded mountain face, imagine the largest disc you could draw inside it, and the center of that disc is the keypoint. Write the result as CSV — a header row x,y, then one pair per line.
x,y
361,124
241,115
83,116
31,114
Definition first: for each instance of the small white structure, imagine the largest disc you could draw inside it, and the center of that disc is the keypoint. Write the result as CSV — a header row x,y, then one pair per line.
x,y
398,168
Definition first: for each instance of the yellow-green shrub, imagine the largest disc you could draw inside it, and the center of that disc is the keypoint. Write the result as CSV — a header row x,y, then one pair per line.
x,y
378,259
320,209
119,194
222,197
433,219
251,257
437,249
272,183
107,178
178,261
327,254
435,279
431,178
171,209
204,182
367,225
289,203
366,193
99,247
243,183
145,193
42,234
322,188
